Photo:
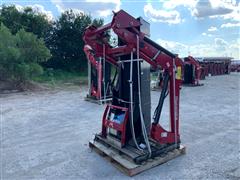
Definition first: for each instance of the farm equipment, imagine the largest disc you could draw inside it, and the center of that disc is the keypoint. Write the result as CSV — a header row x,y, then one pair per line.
x,y
204,70
192,71
99,78
128,137
235,66
156,80
213,66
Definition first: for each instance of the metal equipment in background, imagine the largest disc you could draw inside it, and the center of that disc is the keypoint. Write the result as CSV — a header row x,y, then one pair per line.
x,y
128,135
99,78
156,79
235,66
192,72
213,66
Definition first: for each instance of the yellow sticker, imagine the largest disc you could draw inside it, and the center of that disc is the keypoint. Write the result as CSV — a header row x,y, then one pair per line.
x,y
179,72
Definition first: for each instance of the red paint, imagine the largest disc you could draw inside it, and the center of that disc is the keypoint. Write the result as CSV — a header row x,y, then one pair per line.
x,y
106,123
126,28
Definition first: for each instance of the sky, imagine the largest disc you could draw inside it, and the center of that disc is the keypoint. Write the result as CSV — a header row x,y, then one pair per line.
x,y
185,27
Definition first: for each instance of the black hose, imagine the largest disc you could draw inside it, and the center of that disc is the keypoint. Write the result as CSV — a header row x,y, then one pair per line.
x,y
163,95
114,78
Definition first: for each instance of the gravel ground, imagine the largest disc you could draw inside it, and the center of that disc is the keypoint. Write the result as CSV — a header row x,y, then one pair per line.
x,y
45,135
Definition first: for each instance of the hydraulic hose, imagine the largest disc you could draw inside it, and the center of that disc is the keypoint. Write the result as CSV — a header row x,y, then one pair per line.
x,y
144,132
163,95
141,114
131,104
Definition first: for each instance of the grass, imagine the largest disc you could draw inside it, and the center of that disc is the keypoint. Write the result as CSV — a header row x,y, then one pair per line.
x,y
60,77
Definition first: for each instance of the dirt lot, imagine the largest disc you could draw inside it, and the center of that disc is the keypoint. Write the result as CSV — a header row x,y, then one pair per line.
x,y
45,135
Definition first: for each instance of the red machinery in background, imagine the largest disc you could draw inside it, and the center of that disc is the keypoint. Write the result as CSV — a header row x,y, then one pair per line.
x,y
235,66
192,71
212,66
126,123
99,77
204,70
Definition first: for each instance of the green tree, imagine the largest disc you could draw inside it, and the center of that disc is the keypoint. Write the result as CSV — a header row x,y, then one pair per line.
x,y
63,37
66,43
32,52
9,53
20,55
27,19
32,49
11,18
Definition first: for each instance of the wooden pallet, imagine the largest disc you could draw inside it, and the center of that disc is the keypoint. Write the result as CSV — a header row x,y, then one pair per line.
x,y
128,167
156,89
96,101
192,85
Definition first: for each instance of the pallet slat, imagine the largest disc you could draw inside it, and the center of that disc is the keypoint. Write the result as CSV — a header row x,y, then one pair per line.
x,y
89,99
129,167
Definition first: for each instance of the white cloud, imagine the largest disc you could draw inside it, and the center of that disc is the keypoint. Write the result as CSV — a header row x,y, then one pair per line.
x,y
234,46
218,48
201,50
220,44
40,9
19,7
59,8
97,8
101,1
204,8
206,34
234,16
105,13
230,25
174,47
37,8
170,17
212,28
227,9
172,4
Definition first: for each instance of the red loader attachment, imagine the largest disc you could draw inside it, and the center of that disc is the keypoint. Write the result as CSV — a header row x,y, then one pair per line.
x,y
126,124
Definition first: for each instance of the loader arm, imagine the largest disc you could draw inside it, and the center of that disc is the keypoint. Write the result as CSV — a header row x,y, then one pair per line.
x,y
133,40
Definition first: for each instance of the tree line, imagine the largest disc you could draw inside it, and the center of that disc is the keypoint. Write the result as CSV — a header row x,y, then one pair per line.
x,y
31,43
